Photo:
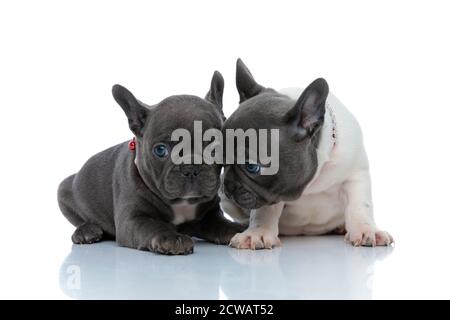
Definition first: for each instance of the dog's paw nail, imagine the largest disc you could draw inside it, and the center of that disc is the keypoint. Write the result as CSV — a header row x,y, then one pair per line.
x,y
254,239
368,237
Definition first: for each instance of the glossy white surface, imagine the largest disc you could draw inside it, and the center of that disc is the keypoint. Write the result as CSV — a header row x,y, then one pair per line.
x,y
303,268
322,267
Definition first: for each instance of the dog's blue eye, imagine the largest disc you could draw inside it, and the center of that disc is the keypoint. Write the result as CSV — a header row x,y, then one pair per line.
x,y
160,150
253,168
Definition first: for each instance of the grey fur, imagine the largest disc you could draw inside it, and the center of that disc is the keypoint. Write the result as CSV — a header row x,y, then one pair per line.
x,y
114,197
299,123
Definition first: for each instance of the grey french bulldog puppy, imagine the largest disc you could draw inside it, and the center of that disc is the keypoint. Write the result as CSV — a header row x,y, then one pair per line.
x,y
322,184
138,196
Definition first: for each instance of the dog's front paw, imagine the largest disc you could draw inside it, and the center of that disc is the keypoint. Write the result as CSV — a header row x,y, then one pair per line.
x,y
369,236
172,244
256,238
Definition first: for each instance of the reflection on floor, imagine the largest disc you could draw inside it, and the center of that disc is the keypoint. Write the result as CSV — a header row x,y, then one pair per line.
x,y
303,268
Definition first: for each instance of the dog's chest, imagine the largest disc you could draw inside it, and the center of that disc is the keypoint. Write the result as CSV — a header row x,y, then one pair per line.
x,y
314,213
183,212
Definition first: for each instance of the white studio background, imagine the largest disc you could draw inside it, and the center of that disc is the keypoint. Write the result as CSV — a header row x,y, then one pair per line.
x,y
388,61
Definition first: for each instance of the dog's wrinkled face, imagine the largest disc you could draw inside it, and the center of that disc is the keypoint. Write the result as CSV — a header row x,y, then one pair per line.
x,y
153,127
299,123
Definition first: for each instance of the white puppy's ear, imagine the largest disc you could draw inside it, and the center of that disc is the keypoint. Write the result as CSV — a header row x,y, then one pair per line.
x,y
215,93
135,111
307,115
245,83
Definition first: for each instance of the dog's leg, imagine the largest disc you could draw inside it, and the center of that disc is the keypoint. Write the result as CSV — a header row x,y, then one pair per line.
x,y
139,231
262,232
359,222
213,227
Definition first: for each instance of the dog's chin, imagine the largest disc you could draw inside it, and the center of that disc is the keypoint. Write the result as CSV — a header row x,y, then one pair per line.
x,y
190,199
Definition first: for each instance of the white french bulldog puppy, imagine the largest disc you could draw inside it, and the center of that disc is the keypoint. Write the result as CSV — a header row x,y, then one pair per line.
x,y
323,183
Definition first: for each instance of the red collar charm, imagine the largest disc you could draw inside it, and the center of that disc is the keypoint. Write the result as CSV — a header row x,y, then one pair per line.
x,y
132,144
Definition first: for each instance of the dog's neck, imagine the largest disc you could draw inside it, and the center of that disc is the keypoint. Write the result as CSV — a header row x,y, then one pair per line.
x,y
328,137
327,144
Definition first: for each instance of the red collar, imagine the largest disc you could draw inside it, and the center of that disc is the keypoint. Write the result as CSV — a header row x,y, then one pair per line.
x,y
132,144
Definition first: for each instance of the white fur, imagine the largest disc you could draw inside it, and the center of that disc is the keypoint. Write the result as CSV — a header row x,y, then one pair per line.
x,y
339,194
183,212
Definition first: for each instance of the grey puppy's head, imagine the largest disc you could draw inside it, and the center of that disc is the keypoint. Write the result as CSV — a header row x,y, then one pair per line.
x,y
153,127
299,123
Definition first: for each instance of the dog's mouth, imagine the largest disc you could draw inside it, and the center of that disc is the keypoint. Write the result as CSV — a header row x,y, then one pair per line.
x,y
179,188
243,198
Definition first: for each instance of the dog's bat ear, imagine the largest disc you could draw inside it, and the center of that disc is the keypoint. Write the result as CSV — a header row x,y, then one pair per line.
x,y
215,93
307,115
245,83
135,111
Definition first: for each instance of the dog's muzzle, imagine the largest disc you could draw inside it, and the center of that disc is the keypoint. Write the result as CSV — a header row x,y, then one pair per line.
x,y
240,195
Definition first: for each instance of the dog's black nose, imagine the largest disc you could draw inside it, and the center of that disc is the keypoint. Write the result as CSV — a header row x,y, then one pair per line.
x,y
190,170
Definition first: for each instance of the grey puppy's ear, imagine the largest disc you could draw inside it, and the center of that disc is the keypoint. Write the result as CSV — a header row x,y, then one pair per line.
x,y
215,92
245,83
135,111
307,115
